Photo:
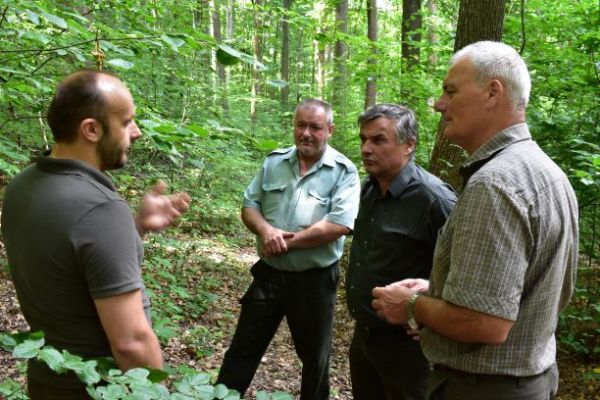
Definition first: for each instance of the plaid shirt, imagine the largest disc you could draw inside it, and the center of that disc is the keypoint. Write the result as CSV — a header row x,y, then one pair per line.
x,y
508,249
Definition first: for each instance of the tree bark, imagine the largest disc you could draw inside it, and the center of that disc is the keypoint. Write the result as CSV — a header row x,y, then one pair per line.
x,y
285,54
338,98
258,56
371,91
221,85
411,32
477,20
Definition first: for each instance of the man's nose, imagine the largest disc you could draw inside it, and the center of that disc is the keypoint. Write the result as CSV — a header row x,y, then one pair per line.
x,y
439,105
134,131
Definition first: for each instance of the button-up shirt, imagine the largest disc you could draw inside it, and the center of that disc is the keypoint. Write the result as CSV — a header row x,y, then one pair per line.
x,y
328,191
395,235
509,249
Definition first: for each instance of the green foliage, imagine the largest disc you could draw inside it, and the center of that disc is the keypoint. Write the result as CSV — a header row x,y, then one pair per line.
x,y
105,381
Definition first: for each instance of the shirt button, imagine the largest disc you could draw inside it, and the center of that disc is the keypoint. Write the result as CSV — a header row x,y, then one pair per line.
x,y
372,219
365,242
358,263
352,287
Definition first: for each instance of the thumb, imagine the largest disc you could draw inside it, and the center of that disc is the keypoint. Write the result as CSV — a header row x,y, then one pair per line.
x,y
159,187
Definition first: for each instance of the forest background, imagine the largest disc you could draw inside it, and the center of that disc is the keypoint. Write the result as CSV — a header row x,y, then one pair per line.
x,y
215,84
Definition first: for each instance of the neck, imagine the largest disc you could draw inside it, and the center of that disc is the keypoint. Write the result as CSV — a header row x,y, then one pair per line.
x,y
75,151
493,129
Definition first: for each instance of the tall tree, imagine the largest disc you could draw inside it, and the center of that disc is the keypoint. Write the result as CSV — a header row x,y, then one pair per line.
x,y
477,20
338,98
221,87
258,55
285,53
411,31
371,92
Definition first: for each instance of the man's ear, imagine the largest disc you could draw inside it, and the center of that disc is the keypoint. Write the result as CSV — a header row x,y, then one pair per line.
x,y
91,130
331,129
496,90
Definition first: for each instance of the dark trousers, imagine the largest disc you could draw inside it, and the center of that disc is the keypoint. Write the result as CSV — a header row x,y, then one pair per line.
x,y
387,365
307,301
448,384
42,391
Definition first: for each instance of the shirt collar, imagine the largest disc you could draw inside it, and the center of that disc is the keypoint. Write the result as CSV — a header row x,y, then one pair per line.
x,y
73,167
400,181
328,157
499,141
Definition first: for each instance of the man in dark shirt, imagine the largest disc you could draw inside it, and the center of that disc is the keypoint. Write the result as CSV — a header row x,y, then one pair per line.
x,y
72,243
401,209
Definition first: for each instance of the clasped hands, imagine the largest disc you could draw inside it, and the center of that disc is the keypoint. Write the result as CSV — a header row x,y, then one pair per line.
x,y
390,302
274,242
159,211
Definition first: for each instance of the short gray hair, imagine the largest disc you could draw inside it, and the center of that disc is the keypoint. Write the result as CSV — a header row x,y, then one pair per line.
x,y
316,103
405,121
495,60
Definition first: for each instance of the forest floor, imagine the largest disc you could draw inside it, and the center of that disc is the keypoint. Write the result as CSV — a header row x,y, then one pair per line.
x,y
280,367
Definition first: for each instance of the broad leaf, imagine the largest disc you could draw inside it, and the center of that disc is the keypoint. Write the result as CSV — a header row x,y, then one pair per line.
x,y
120,63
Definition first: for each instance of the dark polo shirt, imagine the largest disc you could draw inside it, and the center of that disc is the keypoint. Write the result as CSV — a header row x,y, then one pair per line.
x,y
394,237
70,239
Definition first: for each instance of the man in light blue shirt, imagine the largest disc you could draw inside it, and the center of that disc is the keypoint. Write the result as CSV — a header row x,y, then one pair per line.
x,y
300,205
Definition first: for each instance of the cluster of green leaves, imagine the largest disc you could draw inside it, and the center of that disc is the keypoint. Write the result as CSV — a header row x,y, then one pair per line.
x,y
105,382
562,42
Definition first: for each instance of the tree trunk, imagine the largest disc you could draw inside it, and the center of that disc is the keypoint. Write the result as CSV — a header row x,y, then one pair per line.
x,y
285,54
338,97
371,92
221,85
411,32
477,20
258,55
432,34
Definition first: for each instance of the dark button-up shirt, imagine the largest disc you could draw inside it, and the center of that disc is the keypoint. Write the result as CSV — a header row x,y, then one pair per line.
x,y
395,235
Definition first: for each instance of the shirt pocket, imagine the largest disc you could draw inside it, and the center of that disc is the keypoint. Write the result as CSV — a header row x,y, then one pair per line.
x,y
273,199
315,207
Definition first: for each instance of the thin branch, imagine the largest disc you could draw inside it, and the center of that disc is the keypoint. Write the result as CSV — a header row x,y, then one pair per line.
x,y
76,44
523,41
42,64
3,15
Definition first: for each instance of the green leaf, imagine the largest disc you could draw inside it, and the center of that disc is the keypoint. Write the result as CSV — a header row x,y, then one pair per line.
x,y
33,17
281,396
277,83
28,349
139,373
88,373
56,20
198,130
227,56
7,341
268,145
262,395
53,358
157,375
120,63
174,42
221,391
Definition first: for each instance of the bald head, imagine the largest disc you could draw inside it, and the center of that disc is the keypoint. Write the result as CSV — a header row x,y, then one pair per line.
x,y
81,95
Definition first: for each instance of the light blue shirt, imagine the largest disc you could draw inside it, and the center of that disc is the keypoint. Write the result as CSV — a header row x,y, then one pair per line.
x,y
329,191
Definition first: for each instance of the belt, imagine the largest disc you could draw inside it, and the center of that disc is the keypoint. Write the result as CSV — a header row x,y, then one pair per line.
x,y
485,377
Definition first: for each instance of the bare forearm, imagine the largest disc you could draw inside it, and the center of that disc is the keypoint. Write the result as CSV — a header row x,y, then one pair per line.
x,y
254,220
318,234
461,324
143,351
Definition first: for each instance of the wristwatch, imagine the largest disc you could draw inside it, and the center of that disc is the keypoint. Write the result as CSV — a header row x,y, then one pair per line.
x,y
412,322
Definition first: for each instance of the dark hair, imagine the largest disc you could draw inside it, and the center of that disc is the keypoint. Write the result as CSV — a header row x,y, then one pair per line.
x,y
407,129
77,98
309,103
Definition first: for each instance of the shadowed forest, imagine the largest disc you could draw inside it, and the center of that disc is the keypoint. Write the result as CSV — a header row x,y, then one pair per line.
x,y
215,83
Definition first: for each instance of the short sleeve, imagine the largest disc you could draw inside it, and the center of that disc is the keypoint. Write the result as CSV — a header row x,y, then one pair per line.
x,y
345,199
253,193
490,246
109,250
